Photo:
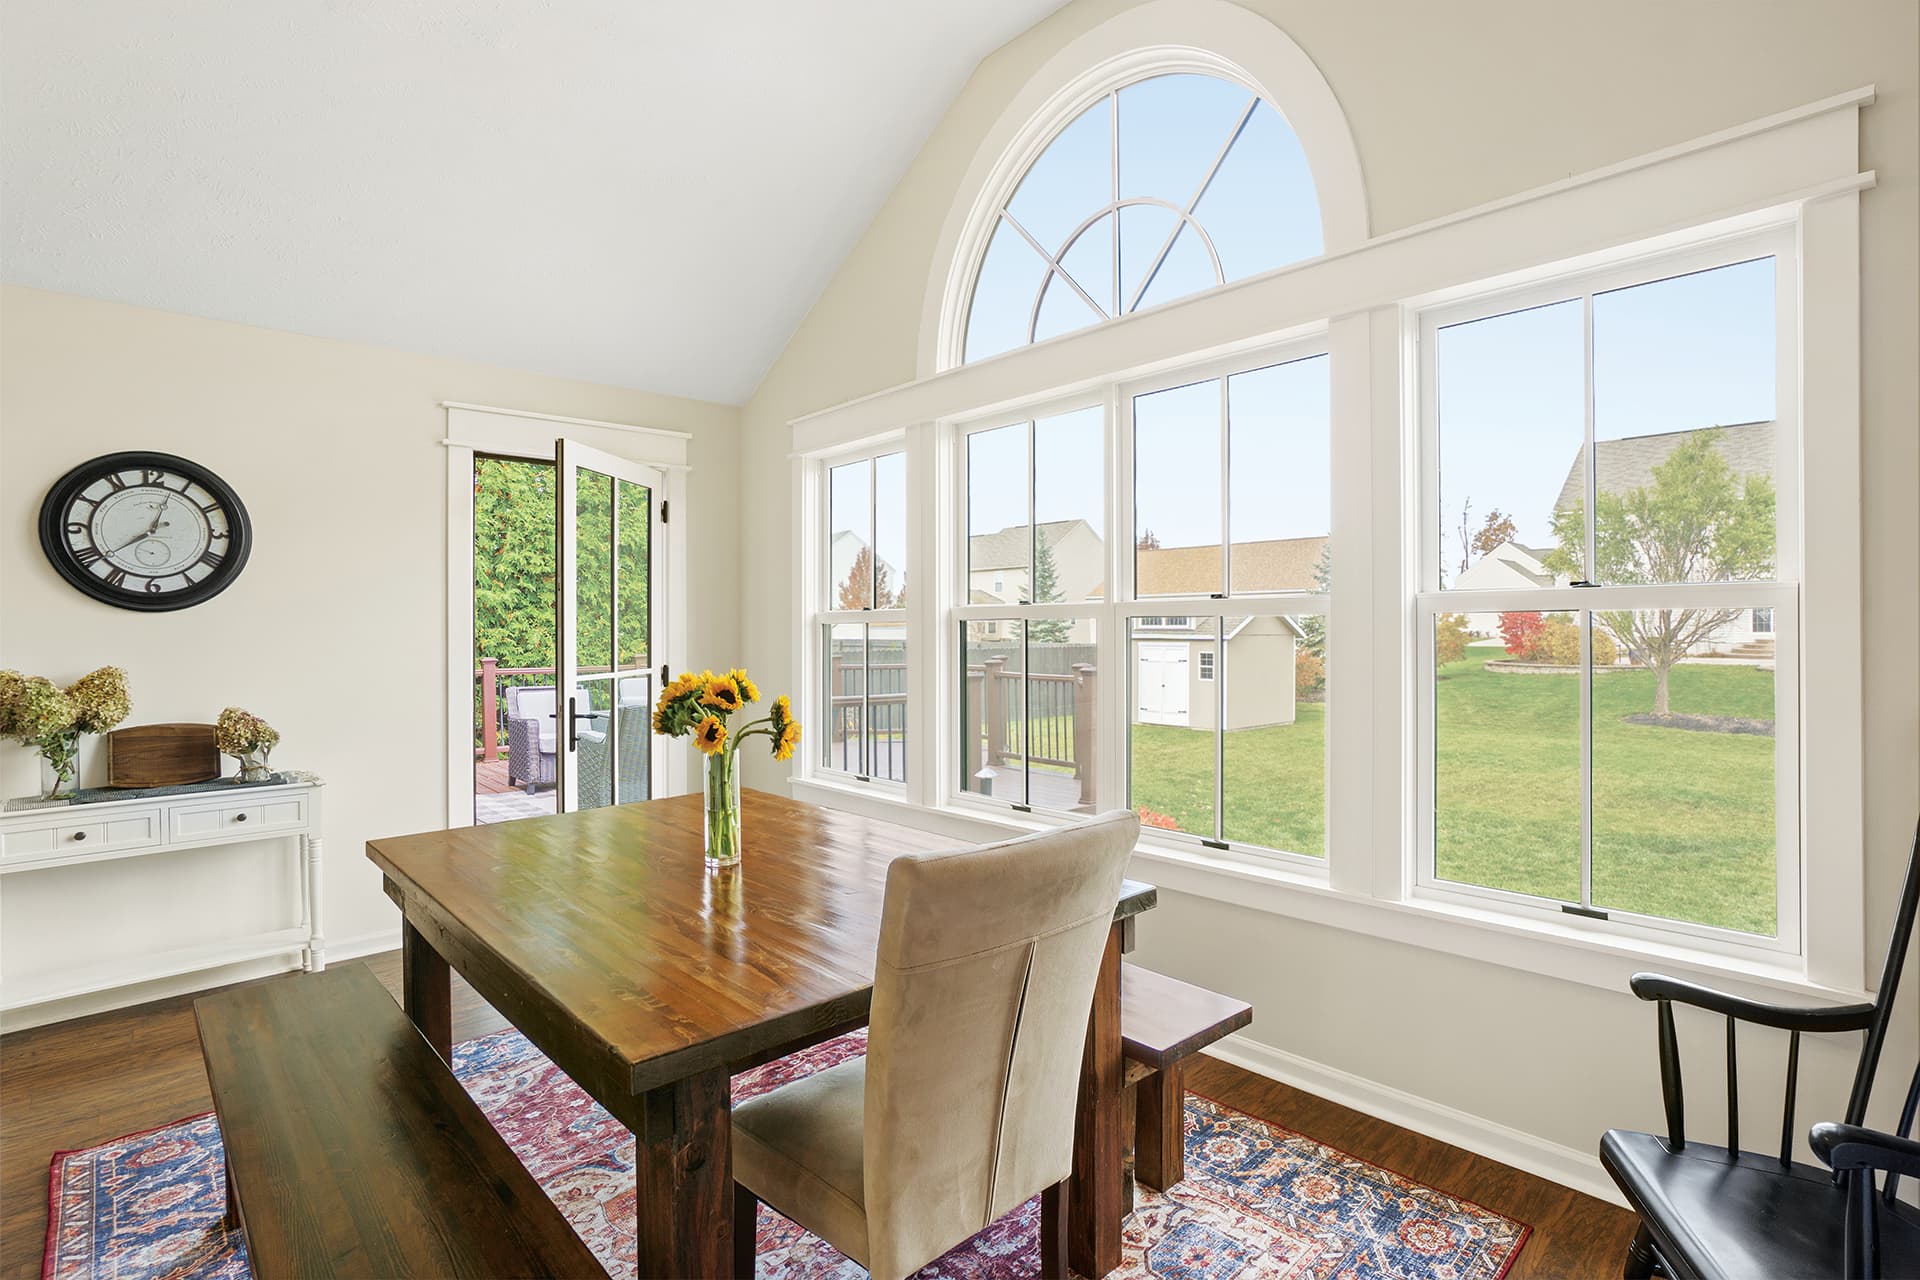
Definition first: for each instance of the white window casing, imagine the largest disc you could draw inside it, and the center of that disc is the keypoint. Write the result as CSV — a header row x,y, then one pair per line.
x,y
1794,175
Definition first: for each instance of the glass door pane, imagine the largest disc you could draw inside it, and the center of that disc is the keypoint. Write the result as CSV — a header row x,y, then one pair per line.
x,y
606,672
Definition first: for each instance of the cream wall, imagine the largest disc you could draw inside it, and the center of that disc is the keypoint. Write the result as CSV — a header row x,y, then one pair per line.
x,y
336,630
1453,106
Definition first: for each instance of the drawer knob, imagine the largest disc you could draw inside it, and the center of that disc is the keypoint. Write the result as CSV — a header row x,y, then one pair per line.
x,y
79,835
239,817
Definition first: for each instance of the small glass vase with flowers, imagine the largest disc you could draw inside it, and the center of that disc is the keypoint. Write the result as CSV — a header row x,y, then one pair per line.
x,y
699,707
249,740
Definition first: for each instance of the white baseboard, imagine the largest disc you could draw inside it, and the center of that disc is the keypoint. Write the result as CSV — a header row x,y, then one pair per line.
x,y
1580,1170
139,992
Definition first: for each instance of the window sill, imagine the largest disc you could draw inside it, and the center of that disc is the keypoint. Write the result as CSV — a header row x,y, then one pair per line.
x,y
1571,951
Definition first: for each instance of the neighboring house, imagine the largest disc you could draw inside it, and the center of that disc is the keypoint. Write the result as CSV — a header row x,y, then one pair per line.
x,y
1621,466
1277,564
1508,567
998,571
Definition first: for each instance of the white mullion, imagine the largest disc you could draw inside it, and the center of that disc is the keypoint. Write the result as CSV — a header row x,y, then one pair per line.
x,y
1639,595
1110,644
1592,574
1788,873
1065,610
1220,728
1113,141
927,655
1586,757
878,617
1590,568
1226,497
1303,604
1124,558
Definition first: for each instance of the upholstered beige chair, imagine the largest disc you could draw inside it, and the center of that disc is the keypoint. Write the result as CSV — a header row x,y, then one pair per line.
x,y
963,1107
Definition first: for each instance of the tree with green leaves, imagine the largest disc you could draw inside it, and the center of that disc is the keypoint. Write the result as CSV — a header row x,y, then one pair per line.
x,y
1696,522
1046,590
515,571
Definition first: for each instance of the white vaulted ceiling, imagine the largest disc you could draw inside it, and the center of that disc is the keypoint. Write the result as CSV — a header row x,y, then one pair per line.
x,y
647,194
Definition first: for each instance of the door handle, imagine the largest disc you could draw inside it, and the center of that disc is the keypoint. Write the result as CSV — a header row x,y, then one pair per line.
x,y
574,717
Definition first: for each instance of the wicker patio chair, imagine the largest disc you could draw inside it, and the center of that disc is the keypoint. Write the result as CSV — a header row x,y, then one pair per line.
x,y
532,733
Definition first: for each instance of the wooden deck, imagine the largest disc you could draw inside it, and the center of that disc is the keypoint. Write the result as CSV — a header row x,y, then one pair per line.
x,y
490,777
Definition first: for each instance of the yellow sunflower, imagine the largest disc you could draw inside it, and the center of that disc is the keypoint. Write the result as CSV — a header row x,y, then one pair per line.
x,y
710,734
782,713
789,738
722,693
748,689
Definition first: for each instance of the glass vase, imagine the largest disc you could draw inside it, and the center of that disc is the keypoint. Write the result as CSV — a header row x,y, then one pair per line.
x,y
720,786
59,763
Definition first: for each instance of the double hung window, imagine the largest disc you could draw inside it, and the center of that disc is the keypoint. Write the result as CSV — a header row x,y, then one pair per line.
x,y
1607,612
862,623
1230,513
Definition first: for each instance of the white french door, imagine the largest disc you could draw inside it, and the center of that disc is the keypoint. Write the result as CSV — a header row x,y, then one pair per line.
x,y
611,601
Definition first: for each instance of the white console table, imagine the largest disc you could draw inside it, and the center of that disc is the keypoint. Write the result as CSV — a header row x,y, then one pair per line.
x,y
108,831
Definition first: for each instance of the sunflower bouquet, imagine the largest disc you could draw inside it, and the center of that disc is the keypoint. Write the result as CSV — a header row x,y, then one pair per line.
x,y
699,707
37,713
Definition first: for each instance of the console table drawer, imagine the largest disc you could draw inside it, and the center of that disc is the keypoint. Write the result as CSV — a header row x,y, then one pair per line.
x,y
239,818
70,835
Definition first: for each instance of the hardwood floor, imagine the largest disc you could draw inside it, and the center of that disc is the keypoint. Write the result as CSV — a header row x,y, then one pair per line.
x,y
79,1083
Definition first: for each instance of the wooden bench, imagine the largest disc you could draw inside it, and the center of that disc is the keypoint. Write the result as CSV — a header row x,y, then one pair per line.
x,y
353,1151
1163,1022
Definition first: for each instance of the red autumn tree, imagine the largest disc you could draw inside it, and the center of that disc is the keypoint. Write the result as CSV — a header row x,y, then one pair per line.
x,y
1521,632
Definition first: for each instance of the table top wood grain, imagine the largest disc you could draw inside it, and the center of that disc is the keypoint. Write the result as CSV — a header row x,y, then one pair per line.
x,y
604,937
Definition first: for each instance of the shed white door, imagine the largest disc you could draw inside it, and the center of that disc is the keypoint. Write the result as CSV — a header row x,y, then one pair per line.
x,y
1162,683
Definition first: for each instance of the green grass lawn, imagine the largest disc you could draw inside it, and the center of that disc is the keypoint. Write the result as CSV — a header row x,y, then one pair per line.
x,y
1683,820
1276,784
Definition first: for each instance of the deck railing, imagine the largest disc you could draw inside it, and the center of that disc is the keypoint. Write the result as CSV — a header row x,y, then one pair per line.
x,y
1059,725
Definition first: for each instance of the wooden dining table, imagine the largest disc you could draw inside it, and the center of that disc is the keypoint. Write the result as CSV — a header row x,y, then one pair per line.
x,y
651,980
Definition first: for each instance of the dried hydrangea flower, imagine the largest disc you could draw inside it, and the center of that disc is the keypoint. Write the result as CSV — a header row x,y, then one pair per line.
x,y
100,700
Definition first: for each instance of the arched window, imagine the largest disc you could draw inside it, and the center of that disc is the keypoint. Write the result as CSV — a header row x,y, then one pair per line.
x,y
1161,188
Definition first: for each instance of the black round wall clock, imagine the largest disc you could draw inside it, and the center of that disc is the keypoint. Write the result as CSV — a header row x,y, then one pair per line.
x,y
146,531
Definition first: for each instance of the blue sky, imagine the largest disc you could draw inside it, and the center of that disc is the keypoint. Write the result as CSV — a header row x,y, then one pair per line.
x,y
1691,351
1672,355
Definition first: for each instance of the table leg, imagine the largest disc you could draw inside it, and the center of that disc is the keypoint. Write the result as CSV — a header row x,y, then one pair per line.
x,y
1160,1134
426,990
1095,1194
685,1202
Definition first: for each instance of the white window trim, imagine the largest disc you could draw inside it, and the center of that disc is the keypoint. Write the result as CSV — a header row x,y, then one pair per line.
x,y
1779,592
1157,38
522,433
1799,165
814,584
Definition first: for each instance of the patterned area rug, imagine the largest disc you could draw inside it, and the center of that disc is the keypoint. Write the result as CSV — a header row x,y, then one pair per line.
x,y
1258,1203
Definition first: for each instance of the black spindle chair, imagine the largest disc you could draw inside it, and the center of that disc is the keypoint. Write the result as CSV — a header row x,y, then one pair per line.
x,y
1708,1212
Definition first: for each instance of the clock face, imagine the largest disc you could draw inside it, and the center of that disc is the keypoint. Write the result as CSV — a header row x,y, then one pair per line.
x,y
145,531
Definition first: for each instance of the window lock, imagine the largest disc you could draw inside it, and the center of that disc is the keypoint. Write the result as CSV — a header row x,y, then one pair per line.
x,y
1591,913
